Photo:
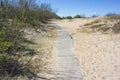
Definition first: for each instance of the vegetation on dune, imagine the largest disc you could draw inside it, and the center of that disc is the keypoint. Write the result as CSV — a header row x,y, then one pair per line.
x,y
69,17
112,14
93,16
105,25
76,16
14,16
79,16
26,10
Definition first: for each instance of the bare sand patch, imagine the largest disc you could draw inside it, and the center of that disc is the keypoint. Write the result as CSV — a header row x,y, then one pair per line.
x,y
98,55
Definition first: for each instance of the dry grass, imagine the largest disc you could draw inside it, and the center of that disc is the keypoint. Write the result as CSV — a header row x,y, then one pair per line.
x,y
91,23
109,24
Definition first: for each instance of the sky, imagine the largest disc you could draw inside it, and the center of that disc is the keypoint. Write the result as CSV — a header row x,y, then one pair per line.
x,y
84,7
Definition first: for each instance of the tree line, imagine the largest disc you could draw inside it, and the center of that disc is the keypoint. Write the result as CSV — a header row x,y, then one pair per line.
x,y
26,10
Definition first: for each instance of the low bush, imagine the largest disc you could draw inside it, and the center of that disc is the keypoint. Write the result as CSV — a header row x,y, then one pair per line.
x,y
69,17
77,16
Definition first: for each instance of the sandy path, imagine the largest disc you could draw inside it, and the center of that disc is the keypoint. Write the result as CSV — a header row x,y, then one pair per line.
x,y
67,65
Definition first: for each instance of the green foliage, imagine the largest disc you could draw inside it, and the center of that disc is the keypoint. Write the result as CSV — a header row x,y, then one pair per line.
x,y
1,20
26,10
77,16
15,22
4,45
2,58
10,38
69,17
2,32
0,9
14,16
30,20
11,67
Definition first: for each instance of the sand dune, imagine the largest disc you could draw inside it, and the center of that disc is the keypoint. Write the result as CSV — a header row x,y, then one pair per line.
x,y
98,53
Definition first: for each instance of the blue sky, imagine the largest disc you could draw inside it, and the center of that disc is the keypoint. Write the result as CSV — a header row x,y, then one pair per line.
x,y
84,7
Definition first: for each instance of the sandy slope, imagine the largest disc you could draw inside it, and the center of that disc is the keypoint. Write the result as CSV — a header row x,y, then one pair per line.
x,y
43,61
72,25
98,54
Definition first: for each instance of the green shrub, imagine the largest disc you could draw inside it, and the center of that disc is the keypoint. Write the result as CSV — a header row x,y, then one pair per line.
x,y
15,22
0,9
11,63
4,45
77,16
69,17
12,67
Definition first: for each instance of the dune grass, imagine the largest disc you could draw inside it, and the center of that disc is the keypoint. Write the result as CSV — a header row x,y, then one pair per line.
x,y
109,24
